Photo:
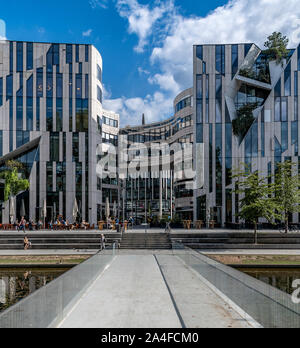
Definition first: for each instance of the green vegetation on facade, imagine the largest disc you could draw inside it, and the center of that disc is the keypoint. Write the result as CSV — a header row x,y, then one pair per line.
x,y
14,183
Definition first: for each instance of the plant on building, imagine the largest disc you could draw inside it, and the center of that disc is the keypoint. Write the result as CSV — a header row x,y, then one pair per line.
x,y
14,183
287,194
244,120
256,198
276,47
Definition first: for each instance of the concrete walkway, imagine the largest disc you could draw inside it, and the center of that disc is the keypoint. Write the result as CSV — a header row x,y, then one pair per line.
x,y
134,293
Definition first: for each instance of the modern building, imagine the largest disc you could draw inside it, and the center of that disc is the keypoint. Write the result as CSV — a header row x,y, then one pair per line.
x,y
157,191
50,119
245,111
243,108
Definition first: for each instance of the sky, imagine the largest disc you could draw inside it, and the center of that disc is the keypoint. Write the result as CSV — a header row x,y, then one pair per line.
x,y
147,45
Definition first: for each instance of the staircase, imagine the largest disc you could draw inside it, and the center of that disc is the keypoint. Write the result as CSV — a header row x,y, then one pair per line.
x,y
142,241
56,240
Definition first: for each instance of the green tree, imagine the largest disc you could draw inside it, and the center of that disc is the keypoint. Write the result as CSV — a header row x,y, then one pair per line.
x,y
256,197
287,190
14,183
277,47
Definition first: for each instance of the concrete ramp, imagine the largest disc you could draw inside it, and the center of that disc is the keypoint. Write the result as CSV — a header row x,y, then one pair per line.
x,y
130,294
150,291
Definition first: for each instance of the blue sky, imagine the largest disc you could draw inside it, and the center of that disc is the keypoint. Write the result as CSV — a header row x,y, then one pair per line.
x,y
147,45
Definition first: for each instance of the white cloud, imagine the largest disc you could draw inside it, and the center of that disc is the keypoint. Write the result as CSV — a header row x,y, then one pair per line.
x,y
142,18
98,3
237,21
143,71
131,109
2,30
87,33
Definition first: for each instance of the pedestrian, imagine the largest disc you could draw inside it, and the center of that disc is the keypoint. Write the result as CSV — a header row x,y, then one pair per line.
x,y
26,243
102,242
22,224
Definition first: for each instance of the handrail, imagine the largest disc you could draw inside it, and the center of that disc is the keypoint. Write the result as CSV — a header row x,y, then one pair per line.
x,y
49,305
266,304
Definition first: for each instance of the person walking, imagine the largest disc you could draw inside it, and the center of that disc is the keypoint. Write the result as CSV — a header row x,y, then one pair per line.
x,y
22,224
102,242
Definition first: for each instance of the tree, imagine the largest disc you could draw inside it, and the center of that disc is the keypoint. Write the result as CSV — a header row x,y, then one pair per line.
x,y
14,184
287,191
256,197
277,47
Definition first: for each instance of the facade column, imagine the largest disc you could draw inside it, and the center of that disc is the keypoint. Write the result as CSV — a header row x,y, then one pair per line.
x,y
160,195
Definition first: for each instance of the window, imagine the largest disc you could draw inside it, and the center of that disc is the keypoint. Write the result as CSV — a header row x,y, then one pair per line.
x,y
9,85
49,91
39,83
220,59
11,57
59,85
287,80
183,104
86,53
199,52
1,91
29,56
77,53
99,73
199,86
78,86
281,109
86,85
19,56
69,54
234,59
29,86
99,94
29,113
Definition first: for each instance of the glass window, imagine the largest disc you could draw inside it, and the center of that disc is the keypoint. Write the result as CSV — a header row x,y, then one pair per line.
x,y
11,57
277,110
19,116
49,81
86,53
1,91
199,52
29,86
59,85
19,56
9,85
29,113
99,94
78,86
77,53
234,59
199,86
49,113
55,54
29,56
99,73
220,59
39,83
218,111
69,54
287,80
199,111
284,109
284,136
86,85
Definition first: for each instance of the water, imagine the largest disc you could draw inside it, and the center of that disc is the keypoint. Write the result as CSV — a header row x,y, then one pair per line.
x,y
280,278
15,284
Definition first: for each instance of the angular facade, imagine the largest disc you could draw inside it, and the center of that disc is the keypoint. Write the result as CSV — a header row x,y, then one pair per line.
x,y
50,119
246,110
158,191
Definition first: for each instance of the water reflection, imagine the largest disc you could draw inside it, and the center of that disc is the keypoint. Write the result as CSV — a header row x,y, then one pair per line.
x,y
281,278
15,284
